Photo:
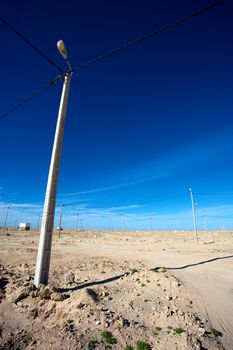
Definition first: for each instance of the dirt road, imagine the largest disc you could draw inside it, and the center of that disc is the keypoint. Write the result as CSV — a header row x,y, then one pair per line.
x,y
206,271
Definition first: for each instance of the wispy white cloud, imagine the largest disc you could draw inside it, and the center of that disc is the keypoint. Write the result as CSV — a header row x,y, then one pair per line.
x,y
115,187
197,154
26,205
137,217
124,207
113,210
218,211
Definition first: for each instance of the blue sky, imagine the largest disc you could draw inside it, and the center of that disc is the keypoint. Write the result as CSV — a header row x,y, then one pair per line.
x,y
142,126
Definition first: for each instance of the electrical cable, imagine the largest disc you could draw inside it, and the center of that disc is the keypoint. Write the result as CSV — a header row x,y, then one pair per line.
x,y
137,219
27,99
150,202
148,35
216,217
108,53
214,194
30,43
25,211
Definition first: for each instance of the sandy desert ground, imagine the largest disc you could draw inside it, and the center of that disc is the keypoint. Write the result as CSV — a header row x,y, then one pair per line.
x,y
108,290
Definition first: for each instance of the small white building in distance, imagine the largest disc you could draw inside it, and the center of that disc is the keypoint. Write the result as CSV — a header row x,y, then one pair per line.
x,y
24,226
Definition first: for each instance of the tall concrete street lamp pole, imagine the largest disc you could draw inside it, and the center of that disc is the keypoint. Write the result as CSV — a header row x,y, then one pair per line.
x,y
5,220
76,230
38,224
122,222
194,214
45,242
60,228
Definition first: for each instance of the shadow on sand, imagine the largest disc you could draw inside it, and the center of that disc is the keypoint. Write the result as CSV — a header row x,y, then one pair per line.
x,y
199,263
91,284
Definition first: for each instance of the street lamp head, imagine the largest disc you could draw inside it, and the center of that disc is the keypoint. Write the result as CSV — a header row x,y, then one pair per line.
x,y
62,49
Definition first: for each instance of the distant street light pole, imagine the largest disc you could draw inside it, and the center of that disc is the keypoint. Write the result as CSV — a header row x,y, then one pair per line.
x,y
194,215
5,220
110,222
38,224
122,222
150,228
60,221
205,223
44,250
77,224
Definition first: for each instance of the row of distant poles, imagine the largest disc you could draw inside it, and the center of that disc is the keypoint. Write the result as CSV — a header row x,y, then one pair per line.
x,y
111,228
79,225
10,206
44,251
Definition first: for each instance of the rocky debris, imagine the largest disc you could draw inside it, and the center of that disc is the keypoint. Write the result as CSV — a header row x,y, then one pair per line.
x,y
15,295
123,322
33,313
44,292
18,340
4,279
80,305
41,303
194,343
179,313
28,278
3,283
167,311
123,307
105,293
176,283
18,294
57,296
201,331
47,293
70,278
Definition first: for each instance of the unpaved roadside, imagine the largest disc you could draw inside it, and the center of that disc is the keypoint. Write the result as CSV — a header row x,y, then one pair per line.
x,y
205,269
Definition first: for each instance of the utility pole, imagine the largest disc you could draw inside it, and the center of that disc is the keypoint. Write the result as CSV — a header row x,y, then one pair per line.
x,y
45,242
38,224
81,224
5,220
77,223
205,223
122,222
110,222
194,215
150,225
60,221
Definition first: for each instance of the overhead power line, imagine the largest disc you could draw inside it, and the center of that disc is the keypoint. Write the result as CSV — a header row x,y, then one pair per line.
x,y
154,201
25,211
149,35
214,194
30,43
136,219
216,217
106,54
29,98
